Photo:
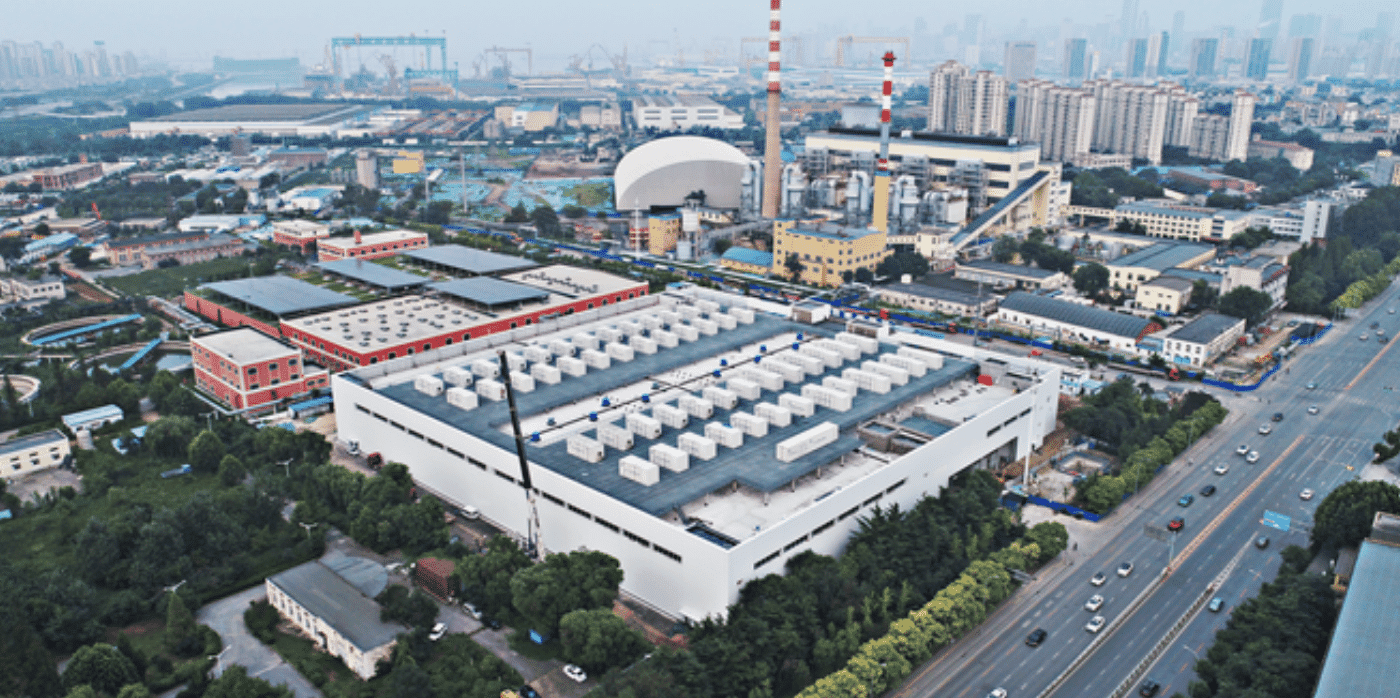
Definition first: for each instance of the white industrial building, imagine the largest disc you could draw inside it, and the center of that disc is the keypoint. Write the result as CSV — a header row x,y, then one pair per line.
x,y
701,438
681,112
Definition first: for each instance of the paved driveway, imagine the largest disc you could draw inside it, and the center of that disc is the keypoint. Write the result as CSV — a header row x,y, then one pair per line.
x,y
225,616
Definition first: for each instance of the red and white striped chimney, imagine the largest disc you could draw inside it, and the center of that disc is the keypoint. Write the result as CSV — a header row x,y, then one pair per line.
x,y
880,206
773,142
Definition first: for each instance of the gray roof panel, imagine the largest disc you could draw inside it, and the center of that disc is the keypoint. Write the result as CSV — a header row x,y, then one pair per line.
x,y
329,597
469,261
1161,256
373,274
489,292
1361,660
281,295
1205,328
1088,316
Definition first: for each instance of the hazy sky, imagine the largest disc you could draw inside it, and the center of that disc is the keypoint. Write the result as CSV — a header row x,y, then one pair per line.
x,y
190,33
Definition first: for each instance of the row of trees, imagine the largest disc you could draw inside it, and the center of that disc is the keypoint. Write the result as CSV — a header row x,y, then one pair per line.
x,y
1143,432
1033,250
1361,242
787,630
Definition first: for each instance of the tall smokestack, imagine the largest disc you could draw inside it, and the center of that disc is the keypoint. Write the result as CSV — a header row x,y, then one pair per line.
x,y
880,207
773,143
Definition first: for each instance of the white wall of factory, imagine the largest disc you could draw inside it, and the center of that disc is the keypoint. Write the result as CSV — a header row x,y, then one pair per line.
x,y
706,578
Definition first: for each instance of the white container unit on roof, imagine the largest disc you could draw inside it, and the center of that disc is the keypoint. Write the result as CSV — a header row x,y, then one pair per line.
x,y
637,470
827,397
428,385
665,339
721,398
461,398
571,366
585,449
538,354
840,385
616,437
491,389
486,368
867,380
620,352
726,436
457,375
643,426
669,457
791,449
777,416
796,404
544,373
673,417
751,425
897,375
642,345
595,359
697,446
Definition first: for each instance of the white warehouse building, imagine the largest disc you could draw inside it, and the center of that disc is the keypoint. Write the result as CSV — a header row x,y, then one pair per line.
x,y
701,438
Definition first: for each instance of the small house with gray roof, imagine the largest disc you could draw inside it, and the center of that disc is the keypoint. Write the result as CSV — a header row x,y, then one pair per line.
x,y
1074,322
332,602
1202,341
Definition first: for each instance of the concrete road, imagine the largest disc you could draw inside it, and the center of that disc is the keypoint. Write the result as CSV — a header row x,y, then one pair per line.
x,y
225,616
1303,451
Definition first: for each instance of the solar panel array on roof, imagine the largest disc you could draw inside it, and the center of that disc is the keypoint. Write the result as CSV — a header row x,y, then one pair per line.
x,y
281,295
469,261
488,292
373,274
1074,314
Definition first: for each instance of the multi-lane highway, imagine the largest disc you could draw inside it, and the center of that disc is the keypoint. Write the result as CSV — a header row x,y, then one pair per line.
x,y
1353,391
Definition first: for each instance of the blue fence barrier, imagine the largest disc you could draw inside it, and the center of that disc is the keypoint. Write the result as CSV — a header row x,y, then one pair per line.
x,y
1061,506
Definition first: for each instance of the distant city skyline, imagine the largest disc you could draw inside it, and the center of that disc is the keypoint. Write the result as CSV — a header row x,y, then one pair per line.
x,y
188,37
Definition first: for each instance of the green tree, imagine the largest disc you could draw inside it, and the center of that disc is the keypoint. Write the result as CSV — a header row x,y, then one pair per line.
x,y
206,451
793,263
1247,303
236,683
564,582
485,579
80,256
546,221
134,690
170,436
29,670
100,666
415,609
1091,279
597,640
517,214
231,470
1005,248
1344,517
180,628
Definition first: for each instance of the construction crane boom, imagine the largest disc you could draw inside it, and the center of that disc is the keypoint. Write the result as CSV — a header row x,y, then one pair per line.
x,y
534,547
504,55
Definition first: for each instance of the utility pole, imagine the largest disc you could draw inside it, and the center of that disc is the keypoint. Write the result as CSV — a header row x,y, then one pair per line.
x,y
532,524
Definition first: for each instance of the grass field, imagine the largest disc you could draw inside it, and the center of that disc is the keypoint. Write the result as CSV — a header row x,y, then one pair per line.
x,y
318,667
173,280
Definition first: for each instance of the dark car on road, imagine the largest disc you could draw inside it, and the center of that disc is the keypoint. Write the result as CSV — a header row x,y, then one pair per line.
x,y
1208,490
1278,416
1149,688
1036,637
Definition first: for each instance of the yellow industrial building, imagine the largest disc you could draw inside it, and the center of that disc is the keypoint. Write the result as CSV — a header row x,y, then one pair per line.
x,y
826,251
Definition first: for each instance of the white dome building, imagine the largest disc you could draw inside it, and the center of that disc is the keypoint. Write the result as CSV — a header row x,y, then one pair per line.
x,y
662,172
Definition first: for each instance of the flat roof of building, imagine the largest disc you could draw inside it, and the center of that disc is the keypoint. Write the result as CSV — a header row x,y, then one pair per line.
x,y
388,236
748,255
259,112
489,292
25,443
329,597
388,322
1360,661
139,240
996,267
753,464
469,261
96,413
937,293
368,272
938,139
572,282
1211,278
281,295
831,231
1161,256
1174,283
1088,316
244,345
1205,328
215,240
1166,210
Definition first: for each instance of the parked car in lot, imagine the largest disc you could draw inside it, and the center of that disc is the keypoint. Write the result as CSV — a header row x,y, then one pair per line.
x,y
439,630
576,673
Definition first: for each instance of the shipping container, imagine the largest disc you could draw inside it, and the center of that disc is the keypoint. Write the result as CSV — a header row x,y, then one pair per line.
x,y
595,359
585,449
608,334
826,397
538,354
706,327
869,345
428,385
643,426
486,368
928,358
725,322
752,425
897,375
696,407
797,405
642,345
584,340
462,398
840,385
673,417
868,380
571,366
808,441
916,368
665,339
522,382
744,315
638,470
621,352
697,446
491,389
723,399
614,436
457,375
729,437
744,388
561,347
777,416
544,373
669,457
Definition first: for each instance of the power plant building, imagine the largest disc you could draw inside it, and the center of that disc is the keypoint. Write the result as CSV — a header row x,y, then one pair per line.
x,y
703,439
681,112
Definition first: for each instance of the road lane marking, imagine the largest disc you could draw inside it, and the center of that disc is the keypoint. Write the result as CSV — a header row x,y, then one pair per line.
x,y
1373,361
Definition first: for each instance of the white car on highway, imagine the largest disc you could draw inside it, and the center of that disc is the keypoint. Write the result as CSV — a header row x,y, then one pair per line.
x,y
1253,457
1243,449
1305,495
1094,603
1222,469
1266,429
1095,624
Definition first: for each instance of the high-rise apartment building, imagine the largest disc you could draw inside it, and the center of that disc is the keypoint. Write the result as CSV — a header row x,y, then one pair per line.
x,y
1257,64
1181,115
961,101
1300,58
1075,65
1135,62
1270,14
1225,138
1061,119
1128,21
1020,61
1241,119
1202,64
1129,119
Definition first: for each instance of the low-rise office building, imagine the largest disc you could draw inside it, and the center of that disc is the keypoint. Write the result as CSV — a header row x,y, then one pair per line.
x,y
1164,294
1182,222
19,289
30,454
935,299
301,234
827,252
371,246
193,251
1200,342
1260,273
340,617
95,418
747,260
1146,264
1014,276
246,369
1072,322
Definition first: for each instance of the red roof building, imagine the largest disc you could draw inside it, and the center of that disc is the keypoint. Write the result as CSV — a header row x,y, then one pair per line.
x,y
372,246
245,369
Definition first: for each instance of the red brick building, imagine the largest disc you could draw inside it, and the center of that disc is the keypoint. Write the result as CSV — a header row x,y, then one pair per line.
x,y
299,233
68,176
372,246
244,369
